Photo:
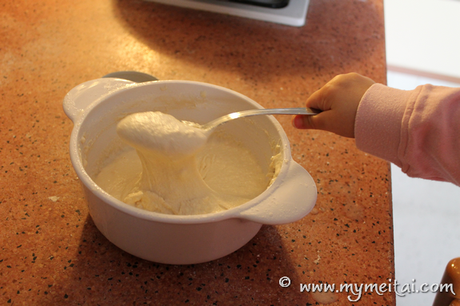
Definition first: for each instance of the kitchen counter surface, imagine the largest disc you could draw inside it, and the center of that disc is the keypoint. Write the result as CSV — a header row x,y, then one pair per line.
x,y
50,250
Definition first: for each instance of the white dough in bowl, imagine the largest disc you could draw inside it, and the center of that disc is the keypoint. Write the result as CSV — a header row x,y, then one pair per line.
x,y
174,168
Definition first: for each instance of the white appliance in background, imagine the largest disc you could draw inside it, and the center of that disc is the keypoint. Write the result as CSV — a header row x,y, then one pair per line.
x,y
293,14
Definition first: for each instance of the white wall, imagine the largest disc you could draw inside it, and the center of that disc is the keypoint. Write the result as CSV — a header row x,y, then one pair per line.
x,y
423,38
423,35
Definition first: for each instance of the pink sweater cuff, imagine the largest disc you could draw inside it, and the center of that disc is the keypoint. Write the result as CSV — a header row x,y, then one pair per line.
x,y
378,121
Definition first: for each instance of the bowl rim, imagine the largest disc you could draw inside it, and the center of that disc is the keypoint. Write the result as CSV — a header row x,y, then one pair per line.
x,y
106,198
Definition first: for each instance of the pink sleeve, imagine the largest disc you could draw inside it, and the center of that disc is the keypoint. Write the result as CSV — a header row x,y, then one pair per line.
x,y
417,130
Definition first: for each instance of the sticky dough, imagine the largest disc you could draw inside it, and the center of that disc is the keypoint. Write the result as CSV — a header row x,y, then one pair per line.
x,y
173,168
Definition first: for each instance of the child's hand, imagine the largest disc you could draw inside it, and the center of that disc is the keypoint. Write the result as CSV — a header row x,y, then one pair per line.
x,y
338,100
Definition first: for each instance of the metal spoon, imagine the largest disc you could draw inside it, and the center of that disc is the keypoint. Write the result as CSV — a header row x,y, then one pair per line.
x,y
208,127
140,77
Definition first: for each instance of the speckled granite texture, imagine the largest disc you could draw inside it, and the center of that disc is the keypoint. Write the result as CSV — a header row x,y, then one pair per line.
x,y
50,251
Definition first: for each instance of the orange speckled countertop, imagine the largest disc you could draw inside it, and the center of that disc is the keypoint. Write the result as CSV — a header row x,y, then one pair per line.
x,y
50,250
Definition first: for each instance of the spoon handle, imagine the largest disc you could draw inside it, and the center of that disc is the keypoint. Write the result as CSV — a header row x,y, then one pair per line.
x,y
256,112
275,111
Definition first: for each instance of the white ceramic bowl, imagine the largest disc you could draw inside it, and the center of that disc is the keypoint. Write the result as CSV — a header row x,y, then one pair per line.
x,y
96,106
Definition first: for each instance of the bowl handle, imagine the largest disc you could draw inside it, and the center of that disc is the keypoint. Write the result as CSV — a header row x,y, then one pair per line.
x,y
83,95
294,198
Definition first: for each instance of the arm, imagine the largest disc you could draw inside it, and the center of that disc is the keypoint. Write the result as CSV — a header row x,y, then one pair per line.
x,y
417,130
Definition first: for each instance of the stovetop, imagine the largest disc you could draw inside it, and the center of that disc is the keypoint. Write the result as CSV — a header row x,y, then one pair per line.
x,y
286,12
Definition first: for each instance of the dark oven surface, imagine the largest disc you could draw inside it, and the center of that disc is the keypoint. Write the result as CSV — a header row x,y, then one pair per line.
x,y
264,3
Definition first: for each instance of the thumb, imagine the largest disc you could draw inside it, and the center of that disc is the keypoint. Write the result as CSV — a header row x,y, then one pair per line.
x,y
316,122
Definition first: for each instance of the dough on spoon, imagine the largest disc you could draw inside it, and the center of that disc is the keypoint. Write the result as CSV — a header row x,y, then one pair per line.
x,y
163,133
